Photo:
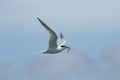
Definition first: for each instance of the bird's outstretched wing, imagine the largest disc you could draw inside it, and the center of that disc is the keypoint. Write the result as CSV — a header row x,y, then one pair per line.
x,y
62,40
53,36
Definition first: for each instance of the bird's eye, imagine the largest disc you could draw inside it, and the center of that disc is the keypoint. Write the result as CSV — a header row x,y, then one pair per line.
x,y
63,46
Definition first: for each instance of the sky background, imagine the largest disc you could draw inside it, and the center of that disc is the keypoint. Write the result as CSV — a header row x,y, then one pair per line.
x,y
91,27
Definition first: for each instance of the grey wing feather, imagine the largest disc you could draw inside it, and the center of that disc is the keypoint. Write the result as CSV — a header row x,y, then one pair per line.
x,y
62,40
53,36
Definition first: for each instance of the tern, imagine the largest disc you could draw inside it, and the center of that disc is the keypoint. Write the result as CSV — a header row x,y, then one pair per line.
x,y
53,47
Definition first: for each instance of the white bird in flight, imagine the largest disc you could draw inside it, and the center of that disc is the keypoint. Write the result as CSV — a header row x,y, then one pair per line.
x,y
53,47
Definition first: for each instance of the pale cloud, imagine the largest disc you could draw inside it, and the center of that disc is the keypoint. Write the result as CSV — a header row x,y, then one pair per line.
x,y
52,67
65,66
83,17
57,66
61,12
110,60
82,20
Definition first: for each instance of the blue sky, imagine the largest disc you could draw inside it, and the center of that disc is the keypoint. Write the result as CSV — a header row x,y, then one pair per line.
x,y
91,28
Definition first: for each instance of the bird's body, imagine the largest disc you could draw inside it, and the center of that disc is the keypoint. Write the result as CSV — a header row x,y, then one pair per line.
x,y
54,50
53,47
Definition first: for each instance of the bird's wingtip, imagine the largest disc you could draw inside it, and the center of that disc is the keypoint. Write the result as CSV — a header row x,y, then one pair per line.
x,y
61,35
38,18
60,32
